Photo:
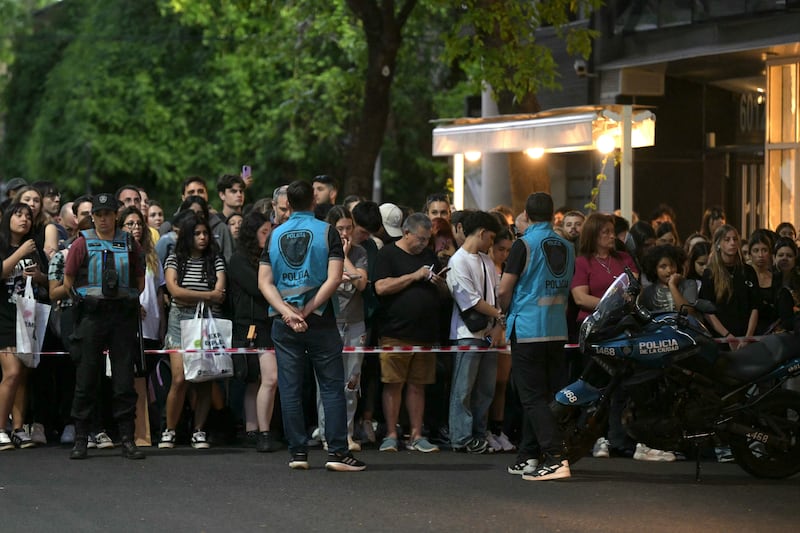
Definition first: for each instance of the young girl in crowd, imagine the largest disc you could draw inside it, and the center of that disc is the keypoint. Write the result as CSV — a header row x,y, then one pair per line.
x,y
788,298
696,264
195,272
663,265
20,257
250,311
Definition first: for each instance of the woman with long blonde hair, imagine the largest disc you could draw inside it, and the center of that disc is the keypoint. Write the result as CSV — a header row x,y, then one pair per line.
x,y
732,286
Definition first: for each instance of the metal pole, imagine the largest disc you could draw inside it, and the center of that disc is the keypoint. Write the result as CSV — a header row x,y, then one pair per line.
x,y
626,167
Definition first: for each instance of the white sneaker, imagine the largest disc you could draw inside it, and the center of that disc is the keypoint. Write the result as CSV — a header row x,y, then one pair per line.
x,y
5,441
352,445
68,435
493,443
505,442
37,434
600,448
103,441
199,440
91,442
644,453
167,439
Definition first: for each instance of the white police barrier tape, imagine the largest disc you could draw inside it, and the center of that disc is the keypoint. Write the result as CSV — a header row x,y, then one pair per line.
x,y
384,349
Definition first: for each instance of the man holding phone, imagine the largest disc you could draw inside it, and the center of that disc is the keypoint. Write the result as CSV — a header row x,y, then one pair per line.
x,y
410,284
472,282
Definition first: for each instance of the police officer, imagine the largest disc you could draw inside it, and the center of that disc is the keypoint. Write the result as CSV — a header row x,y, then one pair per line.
x,y
105,273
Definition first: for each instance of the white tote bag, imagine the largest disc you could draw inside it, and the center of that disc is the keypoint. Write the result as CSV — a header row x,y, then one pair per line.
x,y
32,318
204,332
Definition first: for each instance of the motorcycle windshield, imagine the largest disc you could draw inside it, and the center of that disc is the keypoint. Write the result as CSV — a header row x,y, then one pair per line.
x,y
609,311
611,308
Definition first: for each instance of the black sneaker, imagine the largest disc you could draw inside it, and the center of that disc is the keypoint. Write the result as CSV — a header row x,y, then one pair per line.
x,y
527,466
79,448
21,439
265,442
339,462
299,461
554,468
131,451
477,446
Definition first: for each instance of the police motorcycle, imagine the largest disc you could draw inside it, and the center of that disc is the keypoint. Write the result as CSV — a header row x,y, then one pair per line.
x,y
682,391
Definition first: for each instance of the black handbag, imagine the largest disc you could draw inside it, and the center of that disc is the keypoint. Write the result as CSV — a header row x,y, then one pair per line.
x,y
474,319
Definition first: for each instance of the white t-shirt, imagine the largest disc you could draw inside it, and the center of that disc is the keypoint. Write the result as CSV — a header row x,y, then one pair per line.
x,y
466,283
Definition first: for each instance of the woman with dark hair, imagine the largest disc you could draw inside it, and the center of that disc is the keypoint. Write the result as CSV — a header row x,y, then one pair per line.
x,y
713,218
760,244
667,234
195,272
698,259
235,224
252,327
788,297
498,440
130,219
45,233
786,229
349,309
20,257
643,237
598,263
732,286
443,241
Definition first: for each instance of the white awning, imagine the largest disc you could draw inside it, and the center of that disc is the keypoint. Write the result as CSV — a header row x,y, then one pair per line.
x,y
559,130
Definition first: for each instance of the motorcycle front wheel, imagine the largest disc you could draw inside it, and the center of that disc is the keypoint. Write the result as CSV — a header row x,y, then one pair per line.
x,y
779,416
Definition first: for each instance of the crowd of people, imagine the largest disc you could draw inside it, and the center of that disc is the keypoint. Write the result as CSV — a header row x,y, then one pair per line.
x,y
302,274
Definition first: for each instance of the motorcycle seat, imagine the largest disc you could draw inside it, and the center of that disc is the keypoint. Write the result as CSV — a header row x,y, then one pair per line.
x,y
756,359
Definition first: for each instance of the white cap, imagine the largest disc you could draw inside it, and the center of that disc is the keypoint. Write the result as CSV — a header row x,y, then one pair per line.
x,y
392,219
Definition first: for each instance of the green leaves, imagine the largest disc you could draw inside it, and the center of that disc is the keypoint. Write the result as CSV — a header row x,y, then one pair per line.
x,y
494,40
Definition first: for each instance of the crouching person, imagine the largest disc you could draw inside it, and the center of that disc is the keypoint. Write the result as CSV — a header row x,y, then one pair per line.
x,y
105,272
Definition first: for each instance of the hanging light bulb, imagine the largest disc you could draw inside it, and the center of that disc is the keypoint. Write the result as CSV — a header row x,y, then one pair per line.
x,y
605,144
535,153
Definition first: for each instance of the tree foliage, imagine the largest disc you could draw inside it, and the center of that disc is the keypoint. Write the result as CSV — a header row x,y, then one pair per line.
x,y
105,93
494,41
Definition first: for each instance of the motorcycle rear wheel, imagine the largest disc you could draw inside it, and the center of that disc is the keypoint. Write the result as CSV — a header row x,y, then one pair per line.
x,y
579,435
777,415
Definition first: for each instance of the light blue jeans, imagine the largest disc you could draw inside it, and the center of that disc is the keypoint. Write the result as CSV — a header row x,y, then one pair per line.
x,y
352,335
471,393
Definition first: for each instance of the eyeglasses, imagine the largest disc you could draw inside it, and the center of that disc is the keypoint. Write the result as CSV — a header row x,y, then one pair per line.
x,y
132,224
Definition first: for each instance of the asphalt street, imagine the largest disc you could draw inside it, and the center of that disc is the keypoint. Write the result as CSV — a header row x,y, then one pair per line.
x,y
237,489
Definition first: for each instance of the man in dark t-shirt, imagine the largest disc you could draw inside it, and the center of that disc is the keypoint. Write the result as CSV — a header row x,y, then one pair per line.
x,y
410,285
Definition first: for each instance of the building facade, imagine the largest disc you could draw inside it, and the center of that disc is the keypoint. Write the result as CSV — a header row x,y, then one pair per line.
x,y
722,78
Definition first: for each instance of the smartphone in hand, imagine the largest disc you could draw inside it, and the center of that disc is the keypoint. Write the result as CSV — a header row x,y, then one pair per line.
x,y
247,172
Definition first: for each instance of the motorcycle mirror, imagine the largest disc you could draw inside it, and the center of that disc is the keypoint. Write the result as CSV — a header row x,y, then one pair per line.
x,y
704,306
635,287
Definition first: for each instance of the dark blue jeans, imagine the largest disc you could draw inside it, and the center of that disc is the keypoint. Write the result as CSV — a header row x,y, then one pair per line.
x,y
323,346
